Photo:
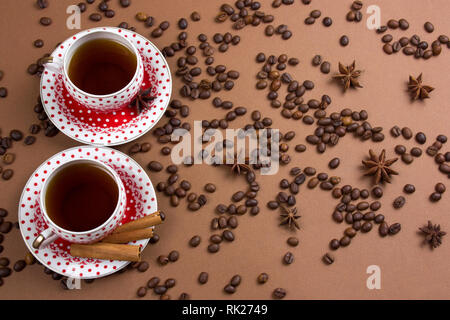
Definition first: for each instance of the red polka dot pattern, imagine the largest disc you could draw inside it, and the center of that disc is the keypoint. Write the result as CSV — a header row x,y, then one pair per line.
x,y
113,128
141,201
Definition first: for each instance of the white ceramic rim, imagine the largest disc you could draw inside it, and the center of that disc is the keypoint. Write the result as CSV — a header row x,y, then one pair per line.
x,y
125,263
74,46
119,185
58,125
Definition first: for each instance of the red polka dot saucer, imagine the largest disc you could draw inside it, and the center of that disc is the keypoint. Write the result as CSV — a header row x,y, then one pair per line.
x,y
113,128
141,201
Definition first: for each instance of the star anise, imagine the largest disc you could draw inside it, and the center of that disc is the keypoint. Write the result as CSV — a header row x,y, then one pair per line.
x,y
417,89
378,166
143,100
237,166
289,217
348,76
433,234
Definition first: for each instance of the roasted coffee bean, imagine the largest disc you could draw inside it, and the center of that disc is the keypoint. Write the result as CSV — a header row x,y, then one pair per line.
x,y
428,26
334,163
262,278
141,292
407,133
213,248
203,277
345,241
174,256
163,260
155,166
377,192
154,239
7,174
409,188
439,187
210,187
400,149
279,293
236,280
327,21
229,289
39,43
328,258
95,17
407,158
288,258
393,24
272,205
435,196
325,67
292,241
16,135
195,241
143,266
366,227
394,229
8,158
399,202
350,232
344,40
159,289
45,21
4,262
5,272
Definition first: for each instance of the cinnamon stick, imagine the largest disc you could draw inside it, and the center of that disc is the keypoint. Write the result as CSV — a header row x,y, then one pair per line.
x,y
107,251
142,223
127,236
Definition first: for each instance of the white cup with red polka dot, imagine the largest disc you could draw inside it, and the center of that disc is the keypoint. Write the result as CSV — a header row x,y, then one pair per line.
x,y
99,103
54,231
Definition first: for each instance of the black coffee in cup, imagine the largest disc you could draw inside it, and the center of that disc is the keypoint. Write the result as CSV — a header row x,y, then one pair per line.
x,y
102,66
81,196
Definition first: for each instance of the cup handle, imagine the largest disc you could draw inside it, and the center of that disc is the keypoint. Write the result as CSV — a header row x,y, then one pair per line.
x,y
54,64
47,236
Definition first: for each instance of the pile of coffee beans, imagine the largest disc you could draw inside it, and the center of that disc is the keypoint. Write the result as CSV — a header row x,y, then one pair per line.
x,y
159,288
299,177
244,13
439,189
325,66
330,129
413,46
361,216
235,281
188,71
355,14
313,15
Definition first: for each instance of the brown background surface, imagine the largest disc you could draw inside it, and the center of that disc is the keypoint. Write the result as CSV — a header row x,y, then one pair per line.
x,y
409,270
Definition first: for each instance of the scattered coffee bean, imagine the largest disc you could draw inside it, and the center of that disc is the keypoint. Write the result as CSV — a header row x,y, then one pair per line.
x,y
195,241
174,256
328,258
45,21
399,202
439,187
155,166
209,187
203,277
263,278
279,293
428,26
409,188
344,41
334,163
288,258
